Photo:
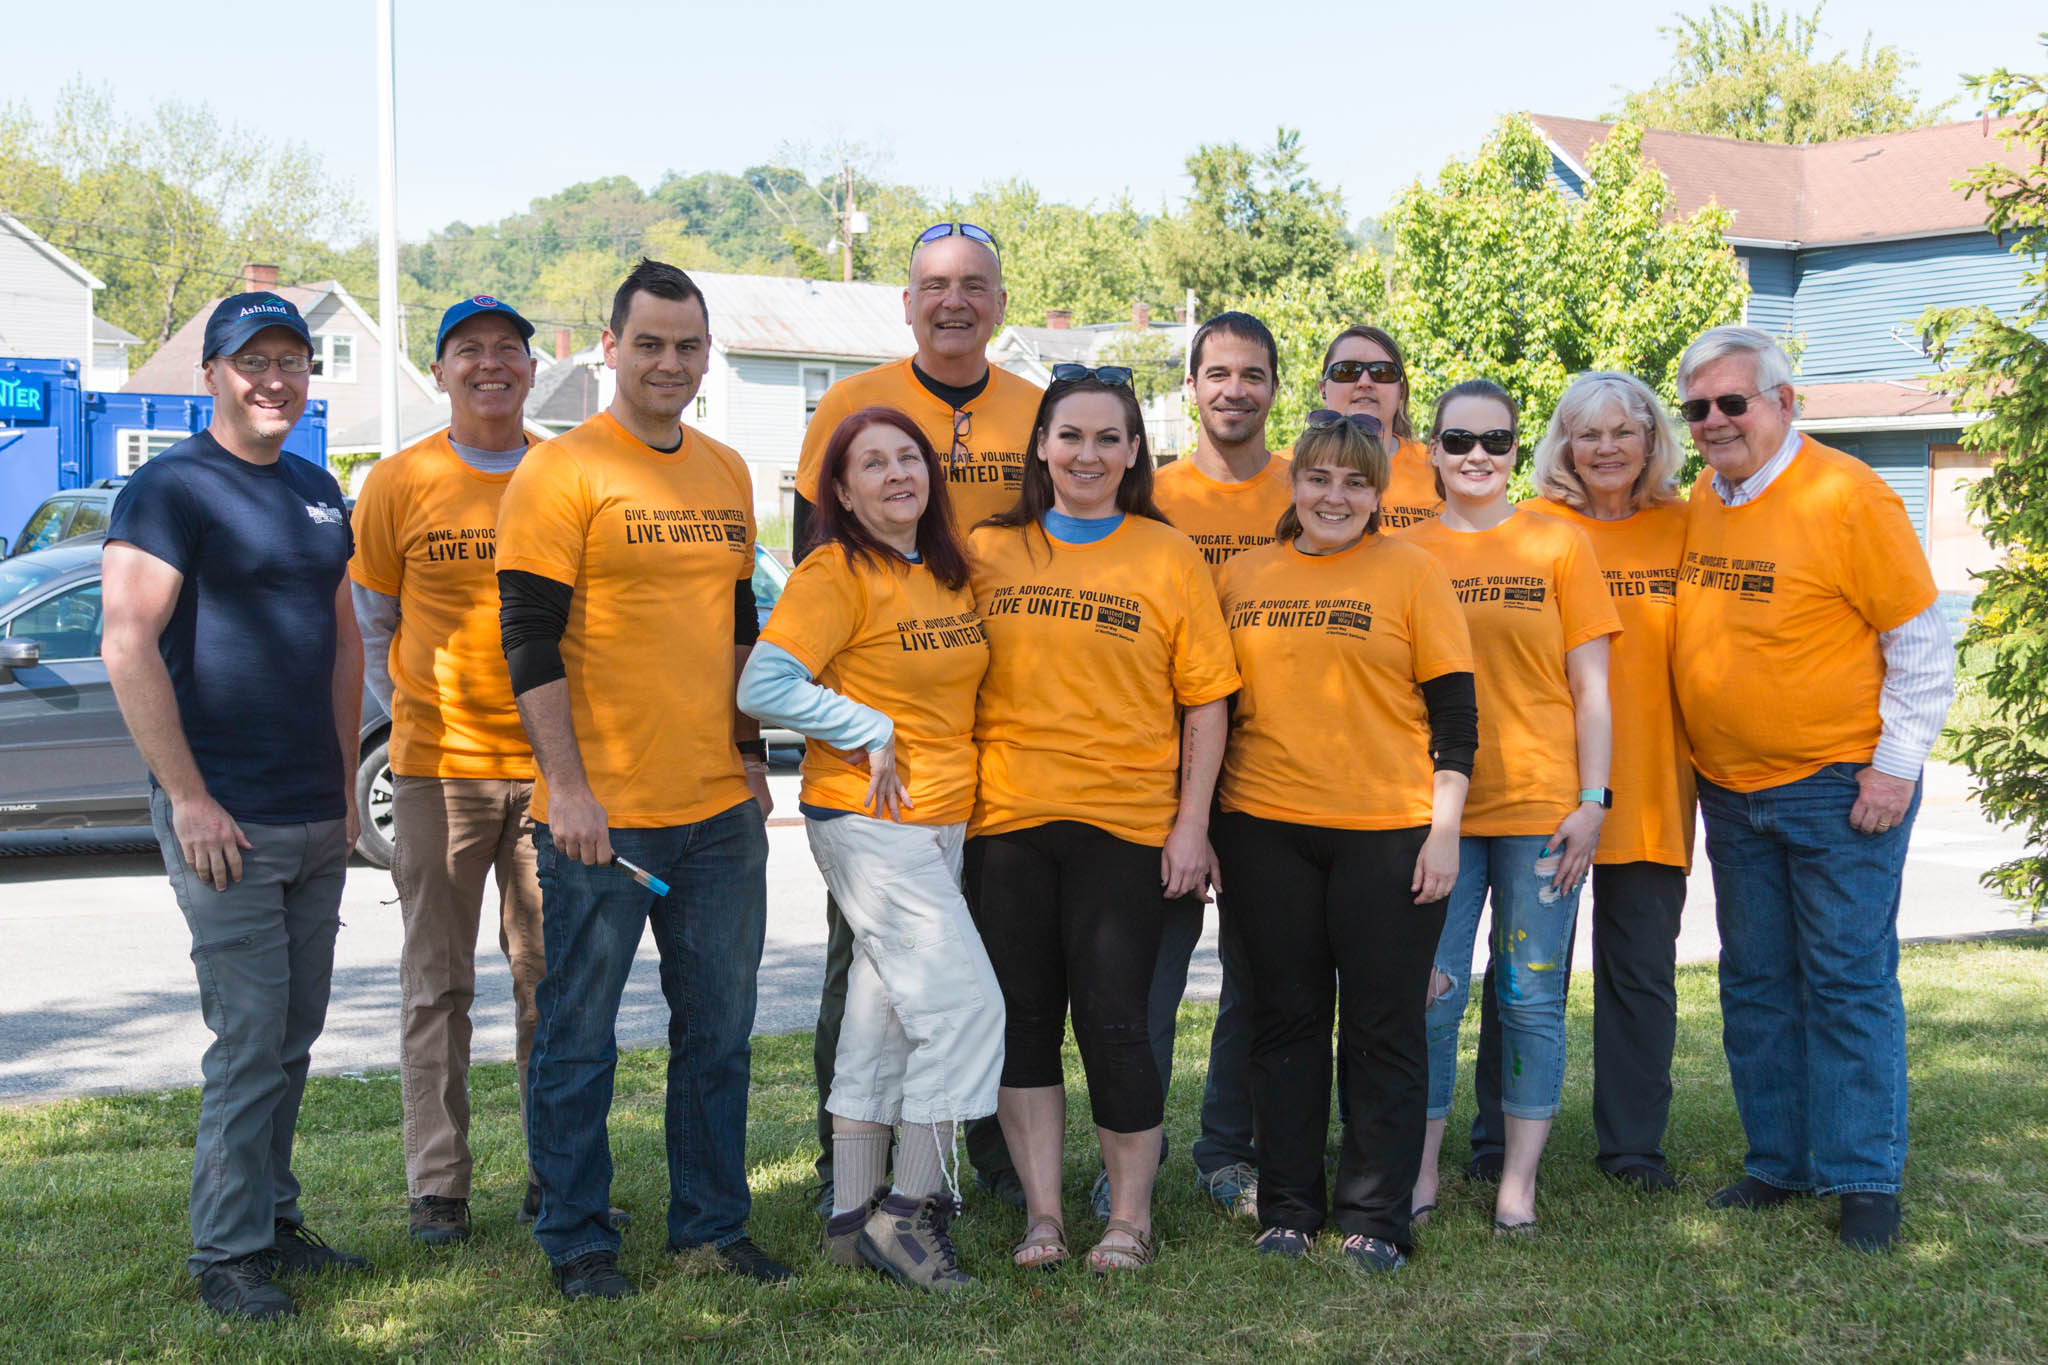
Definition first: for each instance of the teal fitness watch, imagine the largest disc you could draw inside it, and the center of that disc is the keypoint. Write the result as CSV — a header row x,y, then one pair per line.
x,y
1604,795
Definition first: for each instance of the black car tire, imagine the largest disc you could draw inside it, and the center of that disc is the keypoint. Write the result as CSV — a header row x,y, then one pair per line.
x,y
373,799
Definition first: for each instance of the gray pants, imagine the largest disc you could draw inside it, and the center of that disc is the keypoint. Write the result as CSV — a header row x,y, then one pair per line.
x,y
263,951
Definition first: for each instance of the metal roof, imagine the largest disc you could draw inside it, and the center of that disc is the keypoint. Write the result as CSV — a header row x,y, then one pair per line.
x,y
779,315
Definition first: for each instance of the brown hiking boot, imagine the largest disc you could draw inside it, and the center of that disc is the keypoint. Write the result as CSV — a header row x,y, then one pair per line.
x,y
842,1231
906,1239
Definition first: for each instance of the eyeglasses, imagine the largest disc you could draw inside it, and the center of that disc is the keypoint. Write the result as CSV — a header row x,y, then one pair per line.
x,y
963,424
1459,441
248,362
1730,404
1118,375
972,232
1324,418
1348,371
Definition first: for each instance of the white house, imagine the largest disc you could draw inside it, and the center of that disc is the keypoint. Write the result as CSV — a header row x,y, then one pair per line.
x,y
347,348
46,309
1033,351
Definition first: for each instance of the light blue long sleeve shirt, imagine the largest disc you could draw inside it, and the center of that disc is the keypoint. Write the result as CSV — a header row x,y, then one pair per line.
x,y
776,689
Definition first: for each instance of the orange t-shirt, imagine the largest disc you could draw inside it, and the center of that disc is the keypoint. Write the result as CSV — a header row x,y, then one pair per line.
x,y
1223,519
1653,816
1411,496
426,534
981,480
652,544
1330,728
1780,603
1092,649
889,636
1532,592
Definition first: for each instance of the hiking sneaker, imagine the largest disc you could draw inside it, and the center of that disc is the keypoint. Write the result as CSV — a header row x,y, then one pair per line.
x,y
243,1288
906,1240
300,1251
593,1275
1287,1243
842,1231
438,1220
529,1209
1235,1188
1373,1253
1004,1185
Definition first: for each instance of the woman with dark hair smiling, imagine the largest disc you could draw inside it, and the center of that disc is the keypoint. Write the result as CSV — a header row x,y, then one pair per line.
x,y
1363,373
1093,802
874,654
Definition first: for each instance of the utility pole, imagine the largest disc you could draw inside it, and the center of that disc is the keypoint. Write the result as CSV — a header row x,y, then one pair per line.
x,y
387,232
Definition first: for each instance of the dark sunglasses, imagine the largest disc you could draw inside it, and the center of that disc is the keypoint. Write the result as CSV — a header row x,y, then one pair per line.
x,y
1323,418
1459,441
1103,374
972,232
1730,404
1348,371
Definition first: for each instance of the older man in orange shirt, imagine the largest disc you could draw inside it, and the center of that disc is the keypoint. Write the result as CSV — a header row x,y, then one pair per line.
x,y
1814,672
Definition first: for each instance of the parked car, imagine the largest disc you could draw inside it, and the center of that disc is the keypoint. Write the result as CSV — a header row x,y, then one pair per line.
x,y
67,762
66,516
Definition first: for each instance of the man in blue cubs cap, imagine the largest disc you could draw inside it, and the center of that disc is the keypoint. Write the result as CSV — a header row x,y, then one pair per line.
x,y
426,594
233,651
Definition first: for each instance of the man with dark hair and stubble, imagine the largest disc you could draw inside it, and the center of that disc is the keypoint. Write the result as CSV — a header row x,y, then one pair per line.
x,y
625,565
233,652
978,418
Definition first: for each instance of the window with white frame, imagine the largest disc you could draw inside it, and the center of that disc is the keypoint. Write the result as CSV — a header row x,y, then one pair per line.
x,y
817,379
135,446
334,356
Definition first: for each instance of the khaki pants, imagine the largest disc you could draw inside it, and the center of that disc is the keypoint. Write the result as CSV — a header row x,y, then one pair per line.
x,y
450,833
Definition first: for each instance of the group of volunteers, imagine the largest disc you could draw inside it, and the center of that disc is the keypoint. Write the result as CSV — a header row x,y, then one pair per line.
x,y
1055,699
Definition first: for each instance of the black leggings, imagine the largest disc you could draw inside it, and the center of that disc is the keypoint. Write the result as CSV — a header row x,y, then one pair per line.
x,y
1325,918
1071,912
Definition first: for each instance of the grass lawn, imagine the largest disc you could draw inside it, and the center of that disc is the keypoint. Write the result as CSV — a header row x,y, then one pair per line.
x,y
92,1216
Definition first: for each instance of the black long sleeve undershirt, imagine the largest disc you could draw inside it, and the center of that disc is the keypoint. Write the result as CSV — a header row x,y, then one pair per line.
x,y
1453,721
533,613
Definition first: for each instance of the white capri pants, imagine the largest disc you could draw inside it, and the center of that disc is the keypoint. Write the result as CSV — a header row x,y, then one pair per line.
x,y
922,1040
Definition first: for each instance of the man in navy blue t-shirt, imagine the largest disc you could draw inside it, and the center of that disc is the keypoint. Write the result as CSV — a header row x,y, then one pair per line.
x,y
232,647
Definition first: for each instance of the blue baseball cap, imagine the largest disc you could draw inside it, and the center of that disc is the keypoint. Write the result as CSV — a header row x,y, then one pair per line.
x,y
469,308
239,317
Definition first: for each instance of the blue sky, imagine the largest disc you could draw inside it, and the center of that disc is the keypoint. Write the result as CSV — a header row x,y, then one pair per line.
x,y
503,102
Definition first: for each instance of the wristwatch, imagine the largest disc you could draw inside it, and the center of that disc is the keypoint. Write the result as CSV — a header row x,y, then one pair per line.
x,y
1604,795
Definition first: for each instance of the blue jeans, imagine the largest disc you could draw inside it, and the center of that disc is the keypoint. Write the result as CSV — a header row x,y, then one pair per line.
x,y
1529,955
708,930
1811,1014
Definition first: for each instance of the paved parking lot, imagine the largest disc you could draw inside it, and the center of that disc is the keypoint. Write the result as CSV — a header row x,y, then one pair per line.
x,y
97,993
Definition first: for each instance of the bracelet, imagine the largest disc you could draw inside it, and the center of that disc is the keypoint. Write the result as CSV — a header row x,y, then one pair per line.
x,y
752,748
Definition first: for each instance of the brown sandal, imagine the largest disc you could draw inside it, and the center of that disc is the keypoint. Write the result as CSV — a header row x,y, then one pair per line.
x,y
1105,1258
1051,1250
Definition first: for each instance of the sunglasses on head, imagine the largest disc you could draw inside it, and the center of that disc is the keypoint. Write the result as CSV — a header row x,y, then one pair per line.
x,y
1348,371
1324,418
1118,375
1459,441
1730,404
972,232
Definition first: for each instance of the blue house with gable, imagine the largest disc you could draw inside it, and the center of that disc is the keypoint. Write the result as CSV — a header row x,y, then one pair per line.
x,y
1845,244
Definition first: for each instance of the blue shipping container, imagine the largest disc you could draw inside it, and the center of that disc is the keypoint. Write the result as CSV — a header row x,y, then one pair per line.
x,y
56,435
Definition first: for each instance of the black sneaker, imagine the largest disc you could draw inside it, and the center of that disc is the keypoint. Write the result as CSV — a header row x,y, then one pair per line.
x,y
1004,1185
529,1209
1751,1194
243,1288
1870,1221
1485,1167
744,1258
301,1252
438,1220
1645,1176
593,1275
1375,1253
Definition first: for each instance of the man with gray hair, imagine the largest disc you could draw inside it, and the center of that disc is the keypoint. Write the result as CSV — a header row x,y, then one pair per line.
x,y
1801,567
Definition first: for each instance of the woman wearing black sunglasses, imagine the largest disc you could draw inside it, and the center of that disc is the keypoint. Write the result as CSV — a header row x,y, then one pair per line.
x,y
1094,794
1540,620
1353,652
1363,373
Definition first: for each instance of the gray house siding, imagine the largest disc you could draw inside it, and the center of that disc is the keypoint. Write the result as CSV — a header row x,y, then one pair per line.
x,y
44,309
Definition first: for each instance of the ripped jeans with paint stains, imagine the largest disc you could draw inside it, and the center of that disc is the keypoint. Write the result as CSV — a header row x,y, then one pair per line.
x,y
1529,947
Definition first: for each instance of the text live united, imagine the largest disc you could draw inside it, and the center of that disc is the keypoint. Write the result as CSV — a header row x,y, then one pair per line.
x,y
684,526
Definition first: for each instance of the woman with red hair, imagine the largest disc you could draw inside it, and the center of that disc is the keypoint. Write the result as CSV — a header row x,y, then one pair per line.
x,y
874,653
